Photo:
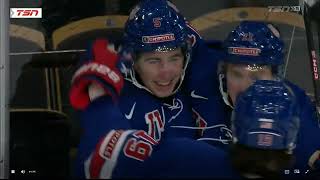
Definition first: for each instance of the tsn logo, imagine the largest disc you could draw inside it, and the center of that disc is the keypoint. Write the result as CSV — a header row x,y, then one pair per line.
x,y
25,12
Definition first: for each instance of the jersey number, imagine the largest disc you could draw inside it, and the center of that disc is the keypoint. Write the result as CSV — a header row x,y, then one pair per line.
x,y
139,149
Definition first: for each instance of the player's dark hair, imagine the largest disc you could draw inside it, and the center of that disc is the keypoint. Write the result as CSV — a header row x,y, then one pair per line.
x,y
266,163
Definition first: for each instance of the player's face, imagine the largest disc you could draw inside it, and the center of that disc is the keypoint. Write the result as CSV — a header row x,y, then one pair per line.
x,y
241,76
160,71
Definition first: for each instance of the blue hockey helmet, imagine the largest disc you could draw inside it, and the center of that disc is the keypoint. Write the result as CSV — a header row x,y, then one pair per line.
x,y
254,42
266,116
155,25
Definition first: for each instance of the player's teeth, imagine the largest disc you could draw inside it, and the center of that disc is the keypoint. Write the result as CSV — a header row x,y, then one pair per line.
x,y
164,83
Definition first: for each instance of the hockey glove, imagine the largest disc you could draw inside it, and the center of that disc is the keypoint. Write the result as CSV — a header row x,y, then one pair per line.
x,y
97,74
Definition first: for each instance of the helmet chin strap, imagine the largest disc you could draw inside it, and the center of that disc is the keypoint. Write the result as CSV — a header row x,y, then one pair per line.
x,y
223,93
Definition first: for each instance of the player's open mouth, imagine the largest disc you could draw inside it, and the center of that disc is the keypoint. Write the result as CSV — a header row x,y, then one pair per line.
x,y
163,84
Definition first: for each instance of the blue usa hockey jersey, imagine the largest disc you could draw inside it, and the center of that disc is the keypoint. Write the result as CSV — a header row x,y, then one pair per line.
x,y
170,117
110,148
208,108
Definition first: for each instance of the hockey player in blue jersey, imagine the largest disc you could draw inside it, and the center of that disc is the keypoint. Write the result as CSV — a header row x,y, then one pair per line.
x,y
150,38
255,52
155,53
265,126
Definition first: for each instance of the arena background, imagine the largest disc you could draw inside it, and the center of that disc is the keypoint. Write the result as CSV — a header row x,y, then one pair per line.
x,y
44,129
